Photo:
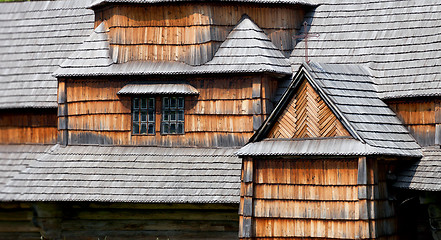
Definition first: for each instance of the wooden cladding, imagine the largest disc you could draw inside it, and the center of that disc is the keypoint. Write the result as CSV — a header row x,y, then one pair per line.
x,y
307,115
422,118
190,32
225,113
315,199
28,126
137,221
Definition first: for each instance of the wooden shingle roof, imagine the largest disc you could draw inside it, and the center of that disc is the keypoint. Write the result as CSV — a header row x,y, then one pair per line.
x,y
300,2
129,174
351,94
15,158
425,174
399,41
247,49
35,38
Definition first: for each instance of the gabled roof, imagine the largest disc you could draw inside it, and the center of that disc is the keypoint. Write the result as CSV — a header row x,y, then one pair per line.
x,y
424,174
129,174
398,40
301,2
351,95
35,38
246,50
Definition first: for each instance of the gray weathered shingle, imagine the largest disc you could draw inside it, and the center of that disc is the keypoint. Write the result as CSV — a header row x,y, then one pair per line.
x,y
247,49
15,158
424,174
129,174
35,38
352,96
398,40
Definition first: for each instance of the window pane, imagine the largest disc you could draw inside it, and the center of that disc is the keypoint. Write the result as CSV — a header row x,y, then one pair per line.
x,y
172,115
165,128
135,128
136,103
173,128
151,128
165,116
151,116
173,102
143,128
181,115
151,103
143,116
135,116
143,103
180,128
181,102
165,103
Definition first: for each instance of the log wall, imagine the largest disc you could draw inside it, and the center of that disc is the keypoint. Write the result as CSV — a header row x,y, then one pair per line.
x,y
28,126
315,199
84,221
422,118
226,112
16,222
190,32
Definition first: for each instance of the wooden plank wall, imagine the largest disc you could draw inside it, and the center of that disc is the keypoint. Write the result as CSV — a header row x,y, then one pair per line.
x,y
315,199
190,32
16,222
307,115
84,221
28,126
221,115
422,118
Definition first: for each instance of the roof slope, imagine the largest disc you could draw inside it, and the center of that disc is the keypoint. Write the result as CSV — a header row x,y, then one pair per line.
x,y
15,158
399,41
129,174
247,49
35,38
302,2
350,93
424,174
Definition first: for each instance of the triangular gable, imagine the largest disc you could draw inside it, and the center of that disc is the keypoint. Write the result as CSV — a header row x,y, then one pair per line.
x,y
345,95
306,115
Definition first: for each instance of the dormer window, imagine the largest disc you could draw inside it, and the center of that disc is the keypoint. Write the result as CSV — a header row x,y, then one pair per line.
x,y
158,103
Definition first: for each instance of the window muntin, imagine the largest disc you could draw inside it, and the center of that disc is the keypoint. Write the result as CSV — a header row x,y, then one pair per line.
x,y
143,115
172,115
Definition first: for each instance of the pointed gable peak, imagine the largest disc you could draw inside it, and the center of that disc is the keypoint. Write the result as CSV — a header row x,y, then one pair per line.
x,y
248,49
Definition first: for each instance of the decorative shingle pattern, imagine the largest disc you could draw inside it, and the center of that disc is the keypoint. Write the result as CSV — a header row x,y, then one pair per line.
x,y
129,174
35,38
352,91
424,174
399,41
15,158
352,96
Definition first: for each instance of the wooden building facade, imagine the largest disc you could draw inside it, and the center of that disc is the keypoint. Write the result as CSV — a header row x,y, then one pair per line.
x,y
139,119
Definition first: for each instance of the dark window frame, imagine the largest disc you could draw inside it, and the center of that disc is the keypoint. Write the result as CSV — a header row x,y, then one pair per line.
x,y
143,115
172,115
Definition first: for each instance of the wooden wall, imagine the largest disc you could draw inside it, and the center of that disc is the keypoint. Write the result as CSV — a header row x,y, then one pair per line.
x,y
190,32
92,221
16,222
320,198
225,113
421,117
28,126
